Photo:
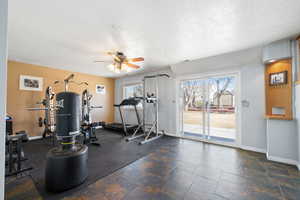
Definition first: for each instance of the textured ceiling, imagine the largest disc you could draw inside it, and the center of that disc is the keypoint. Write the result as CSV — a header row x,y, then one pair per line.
x,y
71,34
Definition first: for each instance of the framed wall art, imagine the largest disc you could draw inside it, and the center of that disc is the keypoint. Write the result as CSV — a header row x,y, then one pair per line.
x,y
278,78
31,83
100,89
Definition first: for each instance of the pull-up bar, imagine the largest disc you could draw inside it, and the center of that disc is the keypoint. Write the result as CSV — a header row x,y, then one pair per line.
x,y
157,75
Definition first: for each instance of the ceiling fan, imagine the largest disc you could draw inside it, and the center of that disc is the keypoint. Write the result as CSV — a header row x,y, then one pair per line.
x,y
121,62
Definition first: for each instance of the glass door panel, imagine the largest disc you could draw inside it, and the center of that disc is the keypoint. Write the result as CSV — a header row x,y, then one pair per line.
x,y
193,114
221,109
209,110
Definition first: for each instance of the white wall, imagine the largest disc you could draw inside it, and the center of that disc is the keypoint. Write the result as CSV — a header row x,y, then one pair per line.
x,y
3,74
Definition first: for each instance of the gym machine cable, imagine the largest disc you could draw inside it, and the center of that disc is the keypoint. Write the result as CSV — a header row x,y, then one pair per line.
x,y
49,117
88,128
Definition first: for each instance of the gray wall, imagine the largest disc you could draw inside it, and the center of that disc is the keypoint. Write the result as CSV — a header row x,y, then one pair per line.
x,y
248,64
297,98
282,141
253,127
297,118
167,106
253,121
3,74
220,62
282,135
279,139
277,50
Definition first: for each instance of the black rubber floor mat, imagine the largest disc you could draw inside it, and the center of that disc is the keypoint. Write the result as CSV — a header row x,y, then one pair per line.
x,y
114,153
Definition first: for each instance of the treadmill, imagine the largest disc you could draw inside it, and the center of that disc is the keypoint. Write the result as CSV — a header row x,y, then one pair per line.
x,y
123,127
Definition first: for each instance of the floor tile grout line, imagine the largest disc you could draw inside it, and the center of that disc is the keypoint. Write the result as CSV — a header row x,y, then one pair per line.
x,y
281,191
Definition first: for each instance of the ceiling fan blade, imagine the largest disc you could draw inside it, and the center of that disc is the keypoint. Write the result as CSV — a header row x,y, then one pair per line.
x,y
110,53
132,66
117,58
139,59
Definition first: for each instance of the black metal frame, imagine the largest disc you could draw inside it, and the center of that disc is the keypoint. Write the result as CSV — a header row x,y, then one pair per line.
x,y
89,134
14,153
125,102
88,128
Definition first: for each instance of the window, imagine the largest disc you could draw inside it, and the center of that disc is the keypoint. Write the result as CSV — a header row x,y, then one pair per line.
x,y
134,90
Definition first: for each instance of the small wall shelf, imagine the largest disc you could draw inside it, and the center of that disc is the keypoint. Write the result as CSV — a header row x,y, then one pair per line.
x,y
278,85
280,117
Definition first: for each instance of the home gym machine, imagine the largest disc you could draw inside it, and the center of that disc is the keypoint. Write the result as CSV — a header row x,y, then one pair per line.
x,y
66,165
49,118
150,131
88,128
127,128
14,154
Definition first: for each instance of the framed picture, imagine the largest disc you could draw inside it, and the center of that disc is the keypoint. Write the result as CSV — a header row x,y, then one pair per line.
x,y
100,89
278,78
31,83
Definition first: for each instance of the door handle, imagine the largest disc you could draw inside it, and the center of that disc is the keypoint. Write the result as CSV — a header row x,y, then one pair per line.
x,y
206,105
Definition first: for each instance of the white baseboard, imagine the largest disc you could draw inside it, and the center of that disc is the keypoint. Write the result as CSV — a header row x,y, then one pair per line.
x,y
259,150
172,135
255,149
35,137
200,140
283,160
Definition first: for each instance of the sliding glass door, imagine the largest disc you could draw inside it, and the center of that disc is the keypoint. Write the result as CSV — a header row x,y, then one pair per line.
x,y
194,107
209,108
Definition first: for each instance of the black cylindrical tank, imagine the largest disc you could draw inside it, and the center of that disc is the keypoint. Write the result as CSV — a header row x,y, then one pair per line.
x,y
68,114
66,169
66,165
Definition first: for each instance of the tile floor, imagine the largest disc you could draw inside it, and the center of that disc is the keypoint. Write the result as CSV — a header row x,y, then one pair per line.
x,y
197,171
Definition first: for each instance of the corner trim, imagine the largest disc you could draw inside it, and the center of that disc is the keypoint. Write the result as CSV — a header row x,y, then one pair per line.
x,y
283,160
255,149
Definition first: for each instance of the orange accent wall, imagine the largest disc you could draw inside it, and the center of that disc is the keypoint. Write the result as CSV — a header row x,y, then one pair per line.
x,y
281,95
18,100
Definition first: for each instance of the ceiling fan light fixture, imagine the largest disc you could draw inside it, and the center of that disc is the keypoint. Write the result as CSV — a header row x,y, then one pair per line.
x,y
126,69
121,63
111,67
117,70
114,68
